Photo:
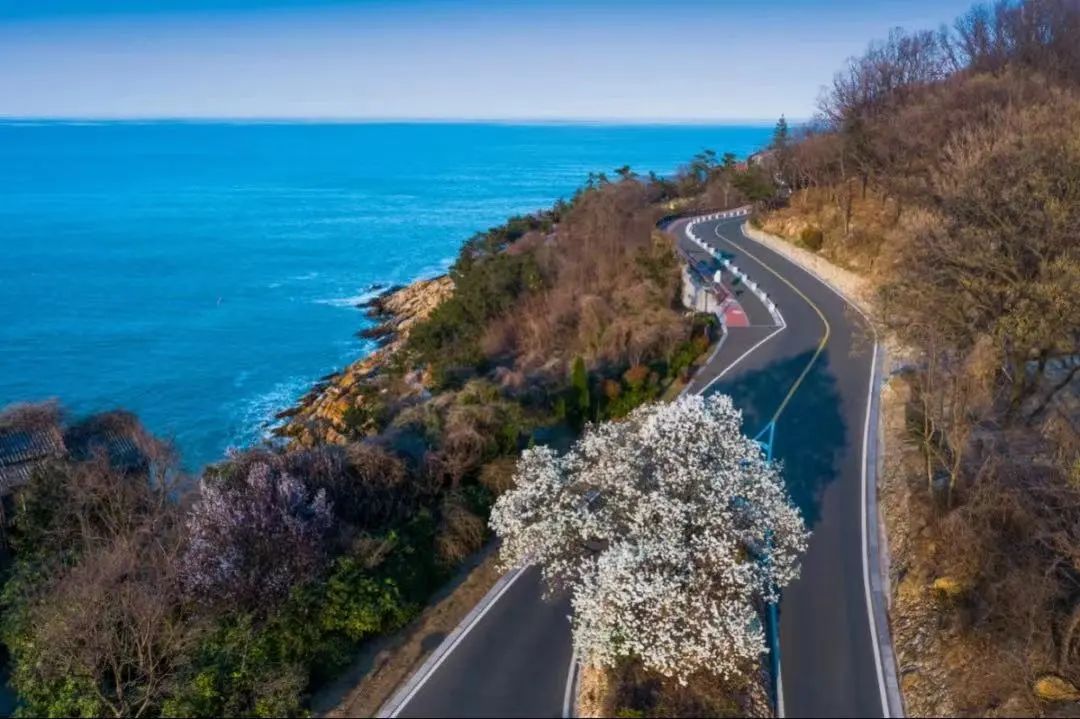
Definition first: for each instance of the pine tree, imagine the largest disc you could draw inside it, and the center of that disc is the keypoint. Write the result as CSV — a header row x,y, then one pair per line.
x,y
780,135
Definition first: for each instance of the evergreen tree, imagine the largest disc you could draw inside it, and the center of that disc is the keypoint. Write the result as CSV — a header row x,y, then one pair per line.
x,y
701,166
579,389
782,146
781,135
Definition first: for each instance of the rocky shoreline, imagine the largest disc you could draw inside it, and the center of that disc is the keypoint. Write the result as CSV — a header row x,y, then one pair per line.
x,y
319,415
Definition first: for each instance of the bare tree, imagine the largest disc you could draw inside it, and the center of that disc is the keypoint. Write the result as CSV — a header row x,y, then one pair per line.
x,y
114,622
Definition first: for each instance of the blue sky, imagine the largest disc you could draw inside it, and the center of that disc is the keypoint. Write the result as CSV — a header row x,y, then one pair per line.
x,y
666,60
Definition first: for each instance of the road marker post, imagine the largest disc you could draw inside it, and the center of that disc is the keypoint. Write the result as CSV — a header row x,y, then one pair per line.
x,y
772,611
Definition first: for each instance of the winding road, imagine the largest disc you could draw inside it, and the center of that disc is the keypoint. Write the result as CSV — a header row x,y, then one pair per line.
x,y
815,376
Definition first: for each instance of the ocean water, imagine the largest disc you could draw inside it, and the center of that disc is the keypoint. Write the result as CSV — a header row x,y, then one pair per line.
x,y
204,275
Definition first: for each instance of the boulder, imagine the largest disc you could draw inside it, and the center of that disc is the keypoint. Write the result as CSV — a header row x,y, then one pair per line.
x,y
1052,688
948,588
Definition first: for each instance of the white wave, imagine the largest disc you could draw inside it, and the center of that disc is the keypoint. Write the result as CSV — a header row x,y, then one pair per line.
x,y
255,417
434,270
352,300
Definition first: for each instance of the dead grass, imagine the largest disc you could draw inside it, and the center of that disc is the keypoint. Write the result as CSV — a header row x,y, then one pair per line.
x,y
630,690
945,668
595,693
975,618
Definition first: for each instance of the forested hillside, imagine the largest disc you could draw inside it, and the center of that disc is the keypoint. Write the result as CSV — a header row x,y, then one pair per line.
x,y
945,166
130,593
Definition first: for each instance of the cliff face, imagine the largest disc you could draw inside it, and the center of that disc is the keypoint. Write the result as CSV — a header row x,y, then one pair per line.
x,y
320,415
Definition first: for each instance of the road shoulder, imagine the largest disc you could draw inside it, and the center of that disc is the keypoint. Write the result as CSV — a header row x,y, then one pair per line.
x,y
378,671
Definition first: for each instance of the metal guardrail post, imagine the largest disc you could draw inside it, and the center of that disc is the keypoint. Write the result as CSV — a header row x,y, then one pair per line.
x,y
772,613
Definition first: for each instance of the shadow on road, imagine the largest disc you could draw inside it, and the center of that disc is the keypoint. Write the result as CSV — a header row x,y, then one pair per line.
x,y
811,436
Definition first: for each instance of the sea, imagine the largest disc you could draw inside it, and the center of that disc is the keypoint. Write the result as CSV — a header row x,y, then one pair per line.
x,y
205,274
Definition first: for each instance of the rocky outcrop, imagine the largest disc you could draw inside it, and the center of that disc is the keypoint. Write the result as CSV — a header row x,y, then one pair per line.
x,y
400,308
320,415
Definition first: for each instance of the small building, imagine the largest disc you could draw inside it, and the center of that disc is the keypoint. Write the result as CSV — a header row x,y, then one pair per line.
x,y
22,449
760,158
115,436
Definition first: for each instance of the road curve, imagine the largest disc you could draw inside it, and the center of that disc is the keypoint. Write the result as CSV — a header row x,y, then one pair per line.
x,y
830,650
511,658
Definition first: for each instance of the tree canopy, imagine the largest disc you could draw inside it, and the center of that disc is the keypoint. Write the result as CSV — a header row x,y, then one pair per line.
x,y
669,529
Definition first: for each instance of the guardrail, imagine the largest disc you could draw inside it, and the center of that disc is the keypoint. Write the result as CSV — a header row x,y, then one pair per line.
x,y
707,212
770,305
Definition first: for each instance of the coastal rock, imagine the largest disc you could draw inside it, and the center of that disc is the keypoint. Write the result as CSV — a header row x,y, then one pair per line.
x,y
415,302
319,416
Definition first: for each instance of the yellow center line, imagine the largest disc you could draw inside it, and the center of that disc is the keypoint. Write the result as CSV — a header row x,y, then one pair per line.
x,y
824,338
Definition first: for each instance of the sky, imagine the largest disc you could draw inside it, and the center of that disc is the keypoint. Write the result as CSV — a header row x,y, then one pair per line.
x,y
631,60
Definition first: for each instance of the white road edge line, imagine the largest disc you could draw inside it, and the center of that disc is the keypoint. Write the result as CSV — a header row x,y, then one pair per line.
x,y
568,696
866,539
395,705
740,358
866,438
780,711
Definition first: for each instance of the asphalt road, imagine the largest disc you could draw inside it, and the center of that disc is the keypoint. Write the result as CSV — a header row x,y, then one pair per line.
x,y
828,665
514,659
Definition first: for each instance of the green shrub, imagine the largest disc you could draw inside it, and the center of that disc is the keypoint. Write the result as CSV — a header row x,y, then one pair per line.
x,y
368,417
449,339
683,357
558,410
579,401
358,605
240,670
639,384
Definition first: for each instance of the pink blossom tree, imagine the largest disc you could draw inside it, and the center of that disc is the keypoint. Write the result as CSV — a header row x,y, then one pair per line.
x,y
253,538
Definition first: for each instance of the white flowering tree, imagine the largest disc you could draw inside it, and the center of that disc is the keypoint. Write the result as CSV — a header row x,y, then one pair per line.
x,y
670,529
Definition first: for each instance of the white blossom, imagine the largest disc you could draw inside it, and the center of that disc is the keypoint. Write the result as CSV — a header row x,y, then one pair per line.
x,y
670,530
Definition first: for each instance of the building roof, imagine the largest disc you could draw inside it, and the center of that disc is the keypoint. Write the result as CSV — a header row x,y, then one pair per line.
x,y
120,448
23,449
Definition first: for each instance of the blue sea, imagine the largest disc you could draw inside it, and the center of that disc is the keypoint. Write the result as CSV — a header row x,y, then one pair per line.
x,y
205,275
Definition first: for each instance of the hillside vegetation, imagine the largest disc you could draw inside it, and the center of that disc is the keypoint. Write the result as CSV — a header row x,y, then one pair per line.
x,y
131,594
946,167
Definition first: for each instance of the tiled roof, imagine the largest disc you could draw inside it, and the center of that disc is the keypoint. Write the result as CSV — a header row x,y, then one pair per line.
x,y
121,449
21,450
17,445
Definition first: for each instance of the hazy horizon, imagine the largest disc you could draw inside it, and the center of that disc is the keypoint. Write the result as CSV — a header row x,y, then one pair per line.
x,y
684,61
270,120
